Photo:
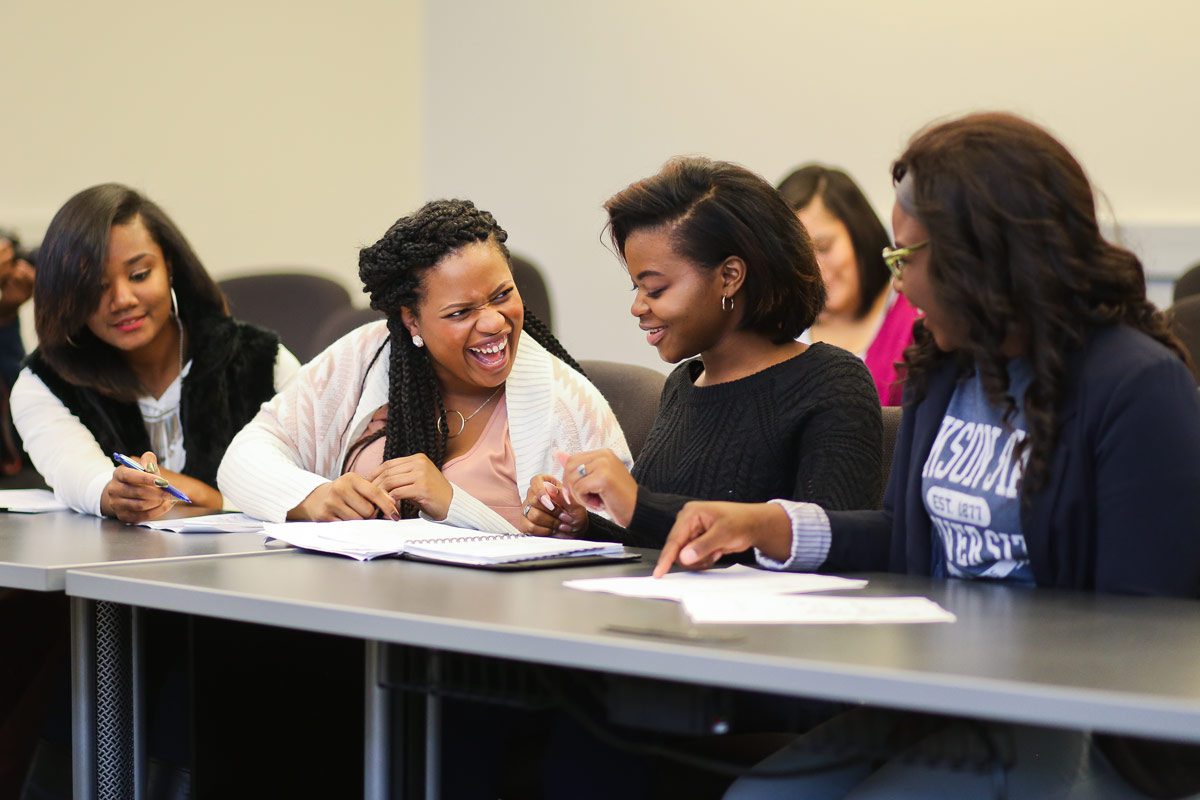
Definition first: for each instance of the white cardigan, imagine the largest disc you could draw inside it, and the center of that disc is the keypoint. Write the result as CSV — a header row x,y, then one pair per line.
x,y
300,439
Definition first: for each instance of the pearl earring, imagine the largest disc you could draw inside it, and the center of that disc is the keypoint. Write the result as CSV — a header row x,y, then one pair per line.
x,y
418,341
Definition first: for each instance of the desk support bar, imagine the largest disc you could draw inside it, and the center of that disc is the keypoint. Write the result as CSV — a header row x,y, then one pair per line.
x,y
433,730
83,700
114,706
377,750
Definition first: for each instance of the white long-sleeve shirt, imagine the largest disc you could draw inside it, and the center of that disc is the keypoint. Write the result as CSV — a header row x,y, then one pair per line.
x,y
68,456
299,440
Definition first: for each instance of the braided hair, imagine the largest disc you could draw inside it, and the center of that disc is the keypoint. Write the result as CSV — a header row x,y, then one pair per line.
x,y
392,271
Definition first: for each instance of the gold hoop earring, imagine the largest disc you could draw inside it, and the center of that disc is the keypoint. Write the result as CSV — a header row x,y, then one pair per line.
x,y
726,303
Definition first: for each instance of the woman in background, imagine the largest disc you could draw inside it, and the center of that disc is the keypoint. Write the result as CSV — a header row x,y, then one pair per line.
x,y
862,313
137,354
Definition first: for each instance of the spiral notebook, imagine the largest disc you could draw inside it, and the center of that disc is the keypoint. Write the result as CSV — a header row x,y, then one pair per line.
x,y
432,541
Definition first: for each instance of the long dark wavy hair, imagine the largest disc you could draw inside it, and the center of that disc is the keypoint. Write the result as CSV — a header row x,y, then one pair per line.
x,y
67,286
1015,249
717,209
393,271
844,199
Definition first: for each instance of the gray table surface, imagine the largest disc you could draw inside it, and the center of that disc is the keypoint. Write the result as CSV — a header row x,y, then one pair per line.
x,y
1119,664
36,550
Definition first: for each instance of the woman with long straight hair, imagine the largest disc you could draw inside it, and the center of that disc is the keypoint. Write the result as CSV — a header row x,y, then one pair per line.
x,y
137,355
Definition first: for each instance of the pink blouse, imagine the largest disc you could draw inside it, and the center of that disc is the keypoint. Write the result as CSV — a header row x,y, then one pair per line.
x,y
488,471
895,334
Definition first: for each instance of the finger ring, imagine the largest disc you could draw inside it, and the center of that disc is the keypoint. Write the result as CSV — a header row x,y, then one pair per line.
x,y
582,470
525,510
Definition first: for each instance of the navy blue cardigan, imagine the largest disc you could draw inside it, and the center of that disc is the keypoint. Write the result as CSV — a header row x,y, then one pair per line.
x,y
1120,511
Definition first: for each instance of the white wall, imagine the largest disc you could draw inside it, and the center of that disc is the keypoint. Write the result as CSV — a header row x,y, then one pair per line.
x,y
274,133
540,110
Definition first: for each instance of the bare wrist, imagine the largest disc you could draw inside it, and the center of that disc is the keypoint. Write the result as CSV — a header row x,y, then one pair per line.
x,y
773,537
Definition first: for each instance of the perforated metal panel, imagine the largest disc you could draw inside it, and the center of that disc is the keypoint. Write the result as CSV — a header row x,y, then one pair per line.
x,y
114,702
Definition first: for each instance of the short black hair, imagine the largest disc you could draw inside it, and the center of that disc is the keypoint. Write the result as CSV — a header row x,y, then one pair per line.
x,y
845,201
717,210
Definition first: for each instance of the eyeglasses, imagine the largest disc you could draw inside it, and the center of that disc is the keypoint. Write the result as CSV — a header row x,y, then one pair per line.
x,y
895,257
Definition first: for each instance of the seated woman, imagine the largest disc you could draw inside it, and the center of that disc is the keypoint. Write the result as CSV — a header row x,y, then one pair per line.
x,y
862,313
137,354
445,408
1044,393
721,268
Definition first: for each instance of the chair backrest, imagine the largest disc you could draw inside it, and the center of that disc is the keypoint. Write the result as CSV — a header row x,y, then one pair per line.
x,y
1188,284
891,427
633,392
292,304
341,322
1184,318
532,287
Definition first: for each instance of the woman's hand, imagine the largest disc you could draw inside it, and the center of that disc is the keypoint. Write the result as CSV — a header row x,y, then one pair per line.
x,y
416,478
549,511
599,480
133,496
349,497
705,531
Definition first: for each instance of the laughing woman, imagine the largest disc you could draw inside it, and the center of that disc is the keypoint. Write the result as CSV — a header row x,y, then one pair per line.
x,y
136,354
448,408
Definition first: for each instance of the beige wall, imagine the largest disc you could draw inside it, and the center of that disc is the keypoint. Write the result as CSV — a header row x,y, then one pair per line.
x,y
274,133
540,110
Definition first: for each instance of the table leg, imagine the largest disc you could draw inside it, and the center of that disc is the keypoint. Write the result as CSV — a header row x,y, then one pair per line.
x,y
433,732
106,732
83,699
377,749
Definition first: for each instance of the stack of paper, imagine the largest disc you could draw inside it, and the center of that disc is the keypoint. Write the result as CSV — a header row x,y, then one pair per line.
x,y
209,523
744,595
29,501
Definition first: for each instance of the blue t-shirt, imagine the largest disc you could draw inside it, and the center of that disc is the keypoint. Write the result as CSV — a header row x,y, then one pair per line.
x,y
971,484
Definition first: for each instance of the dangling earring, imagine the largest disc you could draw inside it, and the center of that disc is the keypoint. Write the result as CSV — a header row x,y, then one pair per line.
x,y
418,341
174,304
71,341
726,303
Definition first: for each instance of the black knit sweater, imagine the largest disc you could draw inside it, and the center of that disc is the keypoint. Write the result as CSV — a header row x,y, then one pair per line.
x,y
808,428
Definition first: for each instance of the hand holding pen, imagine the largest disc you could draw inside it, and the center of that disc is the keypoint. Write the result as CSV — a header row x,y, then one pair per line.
x,y
137,492
159,481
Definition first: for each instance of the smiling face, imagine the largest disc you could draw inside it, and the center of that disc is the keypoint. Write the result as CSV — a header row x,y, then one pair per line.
x,y
470,317
135,302
917,284
677,302
835,256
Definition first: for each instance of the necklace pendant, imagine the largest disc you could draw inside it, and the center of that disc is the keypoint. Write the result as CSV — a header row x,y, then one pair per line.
x,y
443,424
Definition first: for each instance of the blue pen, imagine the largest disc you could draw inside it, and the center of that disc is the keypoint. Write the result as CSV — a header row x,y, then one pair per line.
x,y
126,461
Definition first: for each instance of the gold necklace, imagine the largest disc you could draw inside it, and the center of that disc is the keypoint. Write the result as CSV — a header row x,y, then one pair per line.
x,y
443,422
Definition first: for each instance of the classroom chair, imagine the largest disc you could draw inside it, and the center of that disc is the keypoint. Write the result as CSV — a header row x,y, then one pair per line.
x,y
1184,318
633,392
290,303
1188,283
891,427
341,322
532,287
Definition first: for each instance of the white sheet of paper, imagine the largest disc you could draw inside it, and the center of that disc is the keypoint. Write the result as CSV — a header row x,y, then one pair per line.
x,y
29,501
752,609
716,582
208,523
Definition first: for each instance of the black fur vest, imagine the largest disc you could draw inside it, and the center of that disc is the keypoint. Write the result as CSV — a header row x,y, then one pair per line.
x,y
232,374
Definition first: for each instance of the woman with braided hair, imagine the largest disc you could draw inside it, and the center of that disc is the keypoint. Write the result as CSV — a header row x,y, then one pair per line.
x,y
445,409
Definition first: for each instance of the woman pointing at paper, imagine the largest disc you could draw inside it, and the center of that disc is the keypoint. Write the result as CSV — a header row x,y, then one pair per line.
x,y
722,269
448,408
1051,434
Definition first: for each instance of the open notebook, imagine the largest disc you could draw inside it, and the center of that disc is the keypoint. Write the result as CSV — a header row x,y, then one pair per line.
x,y
432,541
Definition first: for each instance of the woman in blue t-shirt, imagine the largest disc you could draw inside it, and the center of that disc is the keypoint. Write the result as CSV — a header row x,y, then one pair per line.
x,y
1051,430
